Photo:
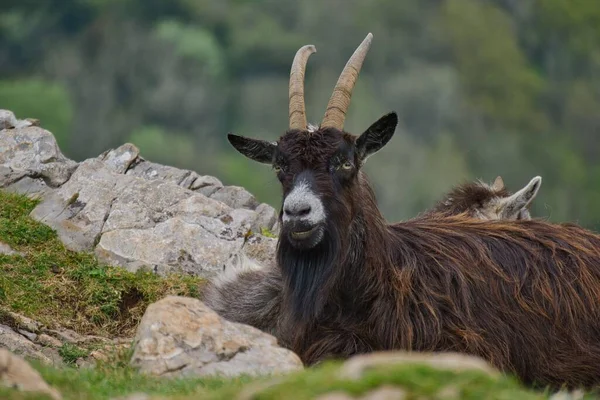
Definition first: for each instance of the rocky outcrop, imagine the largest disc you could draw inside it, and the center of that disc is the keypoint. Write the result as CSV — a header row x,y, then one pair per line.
x,y
132,212
31,339
180,336
18,374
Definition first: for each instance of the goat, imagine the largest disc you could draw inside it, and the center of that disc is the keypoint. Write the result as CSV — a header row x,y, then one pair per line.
x,y
489,202
524,295
250,293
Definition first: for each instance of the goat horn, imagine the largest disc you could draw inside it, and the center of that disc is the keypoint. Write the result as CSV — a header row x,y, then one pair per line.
x,y
340,99
297,109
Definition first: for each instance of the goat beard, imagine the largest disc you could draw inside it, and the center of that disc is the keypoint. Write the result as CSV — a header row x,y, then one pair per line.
x,y
307,274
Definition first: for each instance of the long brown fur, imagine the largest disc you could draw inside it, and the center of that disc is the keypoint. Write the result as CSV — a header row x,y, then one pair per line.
x,y
524,295
252,294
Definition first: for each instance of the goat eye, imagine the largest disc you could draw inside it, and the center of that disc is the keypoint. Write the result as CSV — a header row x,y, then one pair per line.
x,y
347,165
277,169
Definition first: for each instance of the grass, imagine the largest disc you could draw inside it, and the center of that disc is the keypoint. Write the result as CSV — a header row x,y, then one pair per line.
x,y
417,381
59,287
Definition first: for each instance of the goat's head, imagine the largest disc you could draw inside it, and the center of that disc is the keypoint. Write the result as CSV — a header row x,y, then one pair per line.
x,y
319,167
490,202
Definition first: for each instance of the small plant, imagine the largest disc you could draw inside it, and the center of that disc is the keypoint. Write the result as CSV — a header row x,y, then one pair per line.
x,y
266,232
70,353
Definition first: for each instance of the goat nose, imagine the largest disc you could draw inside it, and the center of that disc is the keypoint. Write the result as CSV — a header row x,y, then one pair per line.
x,y
297,210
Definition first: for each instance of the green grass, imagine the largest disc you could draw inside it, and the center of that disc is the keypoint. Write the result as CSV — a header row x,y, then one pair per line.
x,y
59,287
417,381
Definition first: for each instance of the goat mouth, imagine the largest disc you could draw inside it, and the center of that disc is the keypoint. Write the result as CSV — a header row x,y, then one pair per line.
x,y
301,235
304,237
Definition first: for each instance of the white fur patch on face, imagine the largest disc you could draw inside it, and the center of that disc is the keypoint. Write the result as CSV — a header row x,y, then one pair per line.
x,y
301,197
236,265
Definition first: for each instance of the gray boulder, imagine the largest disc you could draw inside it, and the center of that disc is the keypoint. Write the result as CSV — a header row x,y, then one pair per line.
x,y
180,336
132,212
30,160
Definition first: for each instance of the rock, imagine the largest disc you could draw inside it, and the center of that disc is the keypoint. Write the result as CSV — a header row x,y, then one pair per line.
x,y
22,322
8,251
131,212
17,373
121,158
267,217
48,341
386,392
577,394
19,344
261,249
235,197
355,367
29,335
180,336
152,171
32,153
64,335
7,119
207,185
135,222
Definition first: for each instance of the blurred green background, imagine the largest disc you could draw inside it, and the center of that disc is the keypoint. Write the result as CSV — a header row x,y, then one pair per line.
x,y
483,87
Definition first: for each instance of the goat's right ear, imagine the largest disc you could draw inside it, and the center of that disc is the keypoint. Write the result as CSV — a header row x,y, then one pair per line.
x,y
255,149
520,200
373,139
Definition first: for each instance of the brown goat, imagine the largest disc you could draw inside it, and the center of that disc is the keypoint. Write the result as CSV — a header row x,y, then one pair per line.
x,y
524,295
250,293
489,202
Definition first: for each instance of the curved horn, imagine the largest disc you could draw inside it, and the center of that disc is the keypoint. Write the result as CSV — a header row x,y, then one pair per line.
x,y
340,98
297,111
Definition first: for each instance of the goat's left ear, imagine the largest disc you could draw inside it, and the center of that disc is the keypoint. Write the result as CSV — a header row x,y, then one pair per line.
x,y
255,149
373,139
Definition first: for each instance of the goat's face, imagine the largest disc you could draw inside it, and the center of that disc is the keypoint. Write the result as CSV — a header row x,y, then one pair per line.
x,y
319,173
319,167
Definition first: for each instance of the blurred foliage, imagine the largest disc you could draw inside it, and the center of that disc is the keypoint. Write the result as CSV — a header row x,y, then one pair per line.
x,y
48,101
483,87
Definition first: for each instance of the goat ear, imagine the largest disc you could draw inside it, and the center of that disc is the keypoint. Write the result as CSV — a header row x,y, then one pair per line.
x,y
257,150
377,136
498,183
514,204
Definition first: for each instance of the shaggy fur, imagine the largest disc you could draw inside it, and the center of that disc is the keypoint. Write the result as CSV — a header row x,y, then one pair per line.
x,y
525,295
252,294
488,202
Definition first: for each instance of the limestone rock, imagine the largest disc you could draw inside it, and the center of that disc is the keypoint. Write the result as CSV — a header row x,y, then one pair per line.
x,y
15,372
132,212
135,222
235,197
20,344
121,158
31,160
207,185
152,171
9,121
355,367
267,217
48,341
180,336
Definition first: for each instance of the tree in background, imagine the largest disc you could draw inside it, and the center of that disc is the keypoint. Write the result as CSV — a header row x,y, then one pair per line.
x,y
483,87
